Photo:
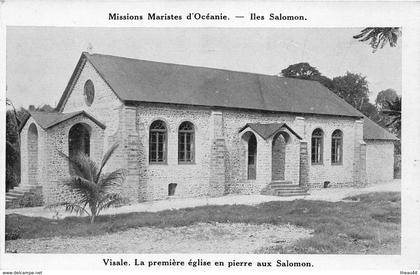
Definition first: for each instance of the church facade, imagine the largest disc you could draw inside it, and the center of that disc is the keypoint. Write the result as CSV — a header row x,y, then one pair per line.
x,y
189,131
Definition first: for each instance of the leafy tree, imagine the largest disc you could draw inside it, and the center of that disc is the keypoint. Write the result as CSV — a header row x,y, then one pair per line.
x,y
379,37
305,71
92,187
12,151
301,70
12,146
353,88
385,96
369,110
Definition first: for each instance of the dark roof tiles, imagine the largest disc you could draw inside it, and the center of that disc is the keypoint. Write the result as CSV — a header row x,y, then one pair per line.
x,y
372,131
134,80
148,81
49,119
266,130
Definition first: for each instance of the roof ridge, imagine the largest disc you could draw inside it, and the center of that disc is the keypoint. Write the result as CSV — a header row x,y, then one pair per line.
x,y
137,80
201,67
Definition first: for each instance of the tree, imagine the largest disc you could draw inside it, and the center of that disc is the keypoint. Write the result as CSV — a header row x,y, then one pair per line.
x,y
12,151
12,146
305,71
369,110
353,88
45,108
301,70
92,187
393,110
385,96
379,37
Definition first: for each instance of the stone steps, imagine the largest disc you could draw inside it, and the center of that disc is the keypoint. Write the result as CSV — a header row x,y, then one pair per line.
x,y
22,195
287,189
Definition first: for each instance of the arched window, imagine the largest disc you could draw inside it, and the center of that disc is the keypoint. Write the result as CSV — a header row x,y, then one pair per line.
x,y
186,143
337,147
157,142
317,146
252,157
89,92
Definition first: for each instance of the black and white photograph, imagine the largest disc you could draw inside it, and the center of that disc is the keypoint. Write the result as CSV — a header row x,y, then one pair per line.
x,y
204,140
196,149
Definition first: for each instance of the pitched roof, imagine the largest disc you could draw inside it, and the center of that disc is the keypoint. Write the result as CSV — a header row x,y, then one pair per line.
x,y
266,130
148,81
372,131
47,120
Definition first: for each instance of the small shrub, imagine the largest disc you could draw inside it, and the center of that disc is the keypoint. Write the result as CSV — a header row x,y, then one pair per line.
x,y
12,235
360,235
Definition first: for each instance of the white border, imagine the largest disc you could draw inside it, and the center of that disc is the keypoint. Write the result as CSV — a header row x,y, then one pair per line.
x,y
319,14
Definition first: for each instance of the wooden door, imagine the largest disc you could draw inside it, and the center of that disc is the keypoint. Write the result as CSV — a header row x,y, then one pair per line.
x,y
252,157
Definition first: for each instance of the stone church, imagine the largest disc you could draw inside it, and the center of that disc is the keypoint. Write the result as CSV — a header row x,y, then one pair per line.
x,y
188,131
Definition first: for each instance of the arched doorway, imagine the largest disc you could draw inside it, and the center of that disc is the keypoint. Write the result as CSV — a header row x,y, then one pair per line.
x,y
79,139
251,160
278,156
32,154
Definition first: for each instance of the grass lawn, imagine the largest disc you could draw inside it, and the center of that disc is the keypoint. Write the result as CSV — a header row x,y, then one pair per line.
x,y
364,224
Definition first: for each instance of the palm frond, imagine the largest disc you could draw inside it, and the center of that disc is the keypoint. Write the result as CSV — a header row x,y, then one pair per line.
x,y
393,121
83,188
108,201
379,37
105,159
116,177
82,165
89,186
71,207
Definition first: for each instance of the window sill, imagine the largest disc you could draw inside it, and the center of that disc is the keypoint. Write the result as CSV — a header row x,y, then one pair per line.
x,y
187,163
158,163
317,164
337,164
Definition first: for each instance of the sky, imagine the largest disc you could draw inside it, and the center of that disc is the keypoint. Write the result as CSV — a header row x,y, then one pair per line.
x,y
40,60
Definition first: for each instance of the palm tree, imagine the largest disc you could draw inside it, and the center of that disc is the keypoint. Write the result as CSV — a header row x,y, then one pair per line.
x,y
92,187
378,37
394,111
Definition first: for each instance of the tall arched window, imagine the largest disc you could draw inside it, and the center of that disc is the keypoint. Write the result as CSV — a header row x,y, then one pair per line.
x,y
186,143
337,147
252,157
157,142
317,145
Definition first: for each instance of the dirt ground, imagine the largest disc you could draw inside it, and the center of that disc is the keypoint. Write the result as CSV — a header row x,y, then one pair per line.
x,y
329,194
198,238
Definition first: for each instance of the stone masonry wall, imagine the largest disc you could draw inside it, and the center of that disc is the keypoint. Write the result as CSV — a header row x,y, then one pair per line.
x,y
119,120
57,170
192,179
106,106
337,174
379,160
32,148
236,176
278,158
304,165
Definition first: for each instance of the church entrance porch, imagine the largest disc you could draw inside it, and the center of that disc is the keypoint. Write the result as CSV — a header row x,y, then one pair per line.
x,y
44,137
272,159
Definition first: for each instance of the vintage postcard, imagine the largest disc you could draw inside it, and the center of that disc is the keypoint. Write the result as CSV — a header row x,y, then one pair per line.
x,y
223,137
